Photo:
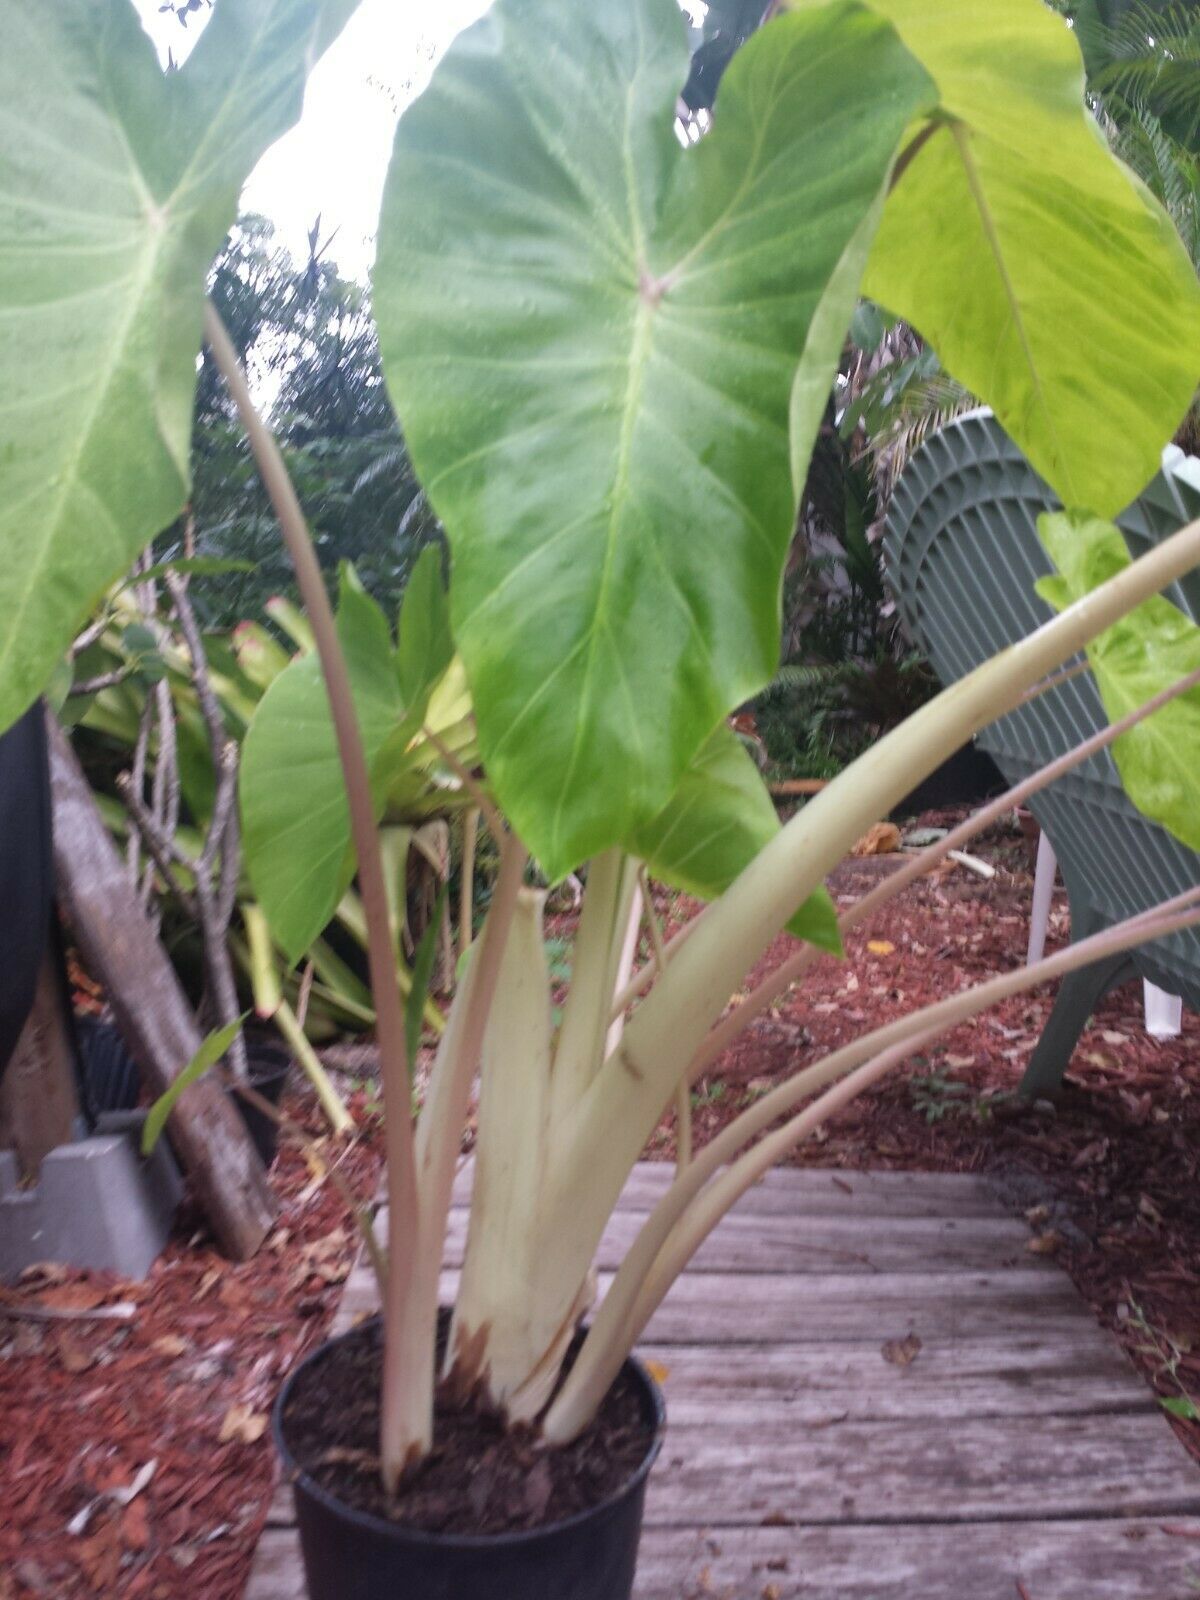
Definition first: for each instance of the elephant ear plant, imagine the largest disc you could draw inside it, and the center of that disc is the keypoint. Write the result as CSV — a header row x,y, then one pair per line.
x,y
610,354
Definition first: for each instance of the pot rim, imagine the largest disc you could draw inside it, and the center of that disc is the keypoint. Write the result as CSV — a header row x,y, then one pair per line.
x,y
298,1477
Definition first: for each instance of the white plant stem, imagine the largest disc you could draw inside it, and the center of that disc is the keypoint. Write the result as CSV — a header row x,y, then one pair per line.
x,y
642,979
439,1131
694,1204
633,927
607,903
683,1094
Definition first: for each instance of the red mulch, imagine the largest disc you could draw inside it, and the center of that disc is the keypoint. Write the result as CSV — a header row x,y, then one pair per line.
x,y
1114,1169
187,1383
1118,1157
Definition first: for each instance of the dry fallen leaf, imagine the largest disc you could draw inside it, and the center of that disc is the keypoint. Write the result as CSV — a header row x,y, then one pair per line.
x,y
242,1424
1045,1244
43,1272
902,1352
881,840
72,1356
170,1345
73,1297
208,1282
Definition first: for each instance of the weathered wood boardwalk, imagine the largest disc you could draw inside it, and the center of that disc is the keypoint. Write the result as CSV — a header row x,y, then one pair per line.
x,y
1016,1457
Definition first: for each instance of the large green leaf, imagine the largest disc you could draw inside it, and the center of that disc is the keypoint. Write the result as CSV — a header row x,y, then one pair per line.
x,y
1044,275
591,336
1152,648
714,825
425,646
117,184
295,816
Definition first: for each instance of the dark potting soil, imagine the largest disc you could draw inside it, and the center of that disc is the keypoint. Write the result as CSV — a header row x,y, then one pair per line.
x,y
479,1478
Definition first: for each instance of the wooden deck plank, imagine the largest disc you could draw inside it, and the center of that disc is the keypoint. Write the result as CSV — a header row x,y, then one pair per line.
x,y
817,1191
1135,1560
1138,1559
721,1308
802,1243
1018,1454
965,1469
748,1469
992,1377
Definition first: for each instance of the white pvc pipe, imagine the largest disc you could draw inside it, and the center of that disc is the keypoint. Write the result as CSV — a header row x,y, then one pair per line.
x,y
1164,1012
1043,892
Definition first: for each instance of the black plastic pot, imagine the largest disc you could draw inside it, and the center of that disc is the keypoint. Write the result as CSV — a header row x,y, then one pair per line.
x,y
110,1074
351,1555
968,777
267,1065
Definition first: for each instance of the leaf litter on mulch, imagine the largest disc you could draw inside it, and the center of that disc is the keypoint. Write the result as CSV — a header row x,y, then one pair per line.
x,y
171,1401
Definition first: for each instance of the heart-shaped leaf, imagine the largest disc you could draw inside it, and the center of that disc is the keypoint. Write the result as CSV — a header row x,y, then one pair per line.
x,y
591,335
117,184
1041,271
295,817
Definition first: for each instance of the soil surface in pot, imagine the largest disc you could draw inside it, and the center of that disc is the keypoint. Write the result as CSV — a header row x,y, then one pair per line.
x,y
479,1479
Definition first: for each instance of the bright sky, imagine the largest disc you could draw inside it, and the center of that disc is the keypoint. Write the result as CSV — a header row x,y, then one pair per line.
x,y
335,160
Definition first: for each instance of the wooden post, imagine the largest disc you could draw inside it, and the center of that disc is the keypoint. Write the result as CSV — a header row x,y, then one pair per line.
x,y
122,951
38,1103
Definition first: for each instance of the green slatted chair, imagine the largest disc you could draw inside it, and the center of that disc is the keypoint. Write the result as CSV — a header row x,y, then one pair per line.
x,y
962,555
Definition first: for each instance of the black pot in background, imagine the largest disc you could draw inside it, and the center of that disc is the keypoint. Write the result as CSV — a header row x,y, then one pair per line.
x,y
112,1083
268,1065
351,1555
968,777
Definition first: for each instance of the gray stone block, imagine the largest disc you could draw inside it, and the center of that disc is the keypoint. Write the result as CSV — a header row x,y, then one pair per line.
x,y
98,1203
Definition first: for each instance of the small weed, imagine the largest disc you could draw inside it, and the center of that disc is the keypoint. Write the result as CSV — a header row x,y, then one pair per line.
x,y
1167,1352
709,1094
936,1096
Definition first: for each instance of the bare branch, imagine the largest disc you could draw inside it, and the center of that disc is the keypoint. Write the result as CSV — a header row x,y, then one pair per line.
x,y
190,628
102,681
159,847
84,641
